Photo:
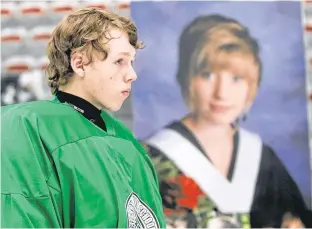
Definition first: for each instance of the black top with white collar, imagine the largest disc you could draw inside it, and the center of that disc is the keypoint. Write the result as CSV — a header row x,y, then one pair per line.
x,y
275,194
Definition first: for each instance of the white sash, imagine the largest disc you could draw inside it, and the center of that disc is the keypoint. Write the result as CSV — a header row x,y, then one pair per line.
x,y
229,197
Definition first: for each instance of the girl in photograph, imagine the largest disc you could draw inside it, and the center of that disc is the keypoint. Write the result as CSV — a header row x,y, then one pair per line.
x,y
212,172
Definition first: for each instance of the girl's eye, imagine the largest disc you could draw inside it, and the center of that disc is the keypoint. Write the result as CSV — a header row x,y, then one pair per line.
x,y
206,75
237,78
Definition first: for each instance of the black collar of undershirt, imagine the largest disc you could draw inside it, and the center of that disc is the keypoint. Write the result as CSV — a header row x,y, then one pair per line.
x,y
82,106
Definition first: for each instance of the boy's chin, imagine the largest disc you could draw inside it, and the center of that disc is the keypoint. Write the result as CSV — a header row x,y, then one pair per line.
x,y
114,107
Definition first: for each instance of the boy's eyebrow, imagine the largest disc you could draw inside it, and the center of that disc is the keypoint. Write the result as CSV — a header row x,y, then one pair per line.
x,y
127,54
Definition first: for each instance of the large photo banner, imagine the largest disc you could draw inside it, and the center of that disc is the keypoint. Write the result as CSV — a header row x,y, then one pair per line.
x,y
220,105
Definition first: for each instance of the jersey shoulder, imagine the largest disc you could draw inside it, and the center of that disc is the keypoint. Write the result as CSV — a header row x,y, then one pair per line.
x,y
37,108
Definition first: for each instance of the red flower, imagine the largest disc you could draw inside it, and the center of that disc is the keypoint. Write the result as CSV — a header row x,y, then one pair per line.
x,y
190,192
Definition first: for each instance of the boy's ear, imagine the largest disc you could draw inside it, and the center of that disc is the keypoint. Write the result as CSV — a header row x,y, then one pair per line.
x,y
76,62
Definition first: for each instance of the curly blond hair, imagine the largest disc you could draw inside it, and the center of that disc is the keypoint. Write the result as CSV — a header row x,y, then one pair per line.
x,y
85,31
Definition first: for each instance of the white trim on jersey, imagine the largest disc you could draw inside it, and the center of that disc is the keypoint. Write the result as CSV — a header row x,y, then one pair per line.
x,y
229,197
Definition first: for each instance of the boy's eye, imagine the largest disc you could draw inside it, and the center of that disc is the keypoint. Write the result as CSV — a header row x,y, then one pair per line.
x,y
119,62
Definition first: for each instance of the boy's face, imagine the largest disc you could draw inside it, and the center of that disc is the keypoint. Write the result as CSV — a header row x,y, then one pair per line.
x,y
221,94
108,83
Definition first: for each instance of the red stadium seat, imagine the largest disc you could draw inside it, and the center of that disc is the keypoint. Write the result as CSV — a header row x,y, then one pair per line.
x,y
42,63
97,4
123,8
12,40
8,11
18,64
59,9
32,13
37,39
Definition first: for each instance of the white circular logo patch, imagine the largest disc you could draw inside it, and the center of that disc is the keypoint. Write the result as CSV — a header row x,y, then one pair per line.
x,y
139,214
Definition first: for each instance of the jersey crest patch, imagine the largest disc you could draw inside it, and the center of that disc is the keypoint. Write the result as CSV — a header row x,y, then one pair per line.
x,y
139,215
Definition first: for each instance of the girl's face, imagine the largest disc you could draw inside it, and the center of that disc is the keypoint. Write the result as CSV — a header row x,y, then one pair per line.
x,y
221,93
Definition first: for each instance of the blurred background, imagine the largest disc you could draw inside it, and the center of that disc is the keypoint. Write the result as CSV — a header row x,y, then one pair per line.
x,y
26,27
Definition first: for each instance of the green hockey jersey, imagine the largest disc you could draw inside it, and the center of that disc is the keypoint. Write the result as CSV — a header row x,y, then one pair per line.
x,y
58,169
